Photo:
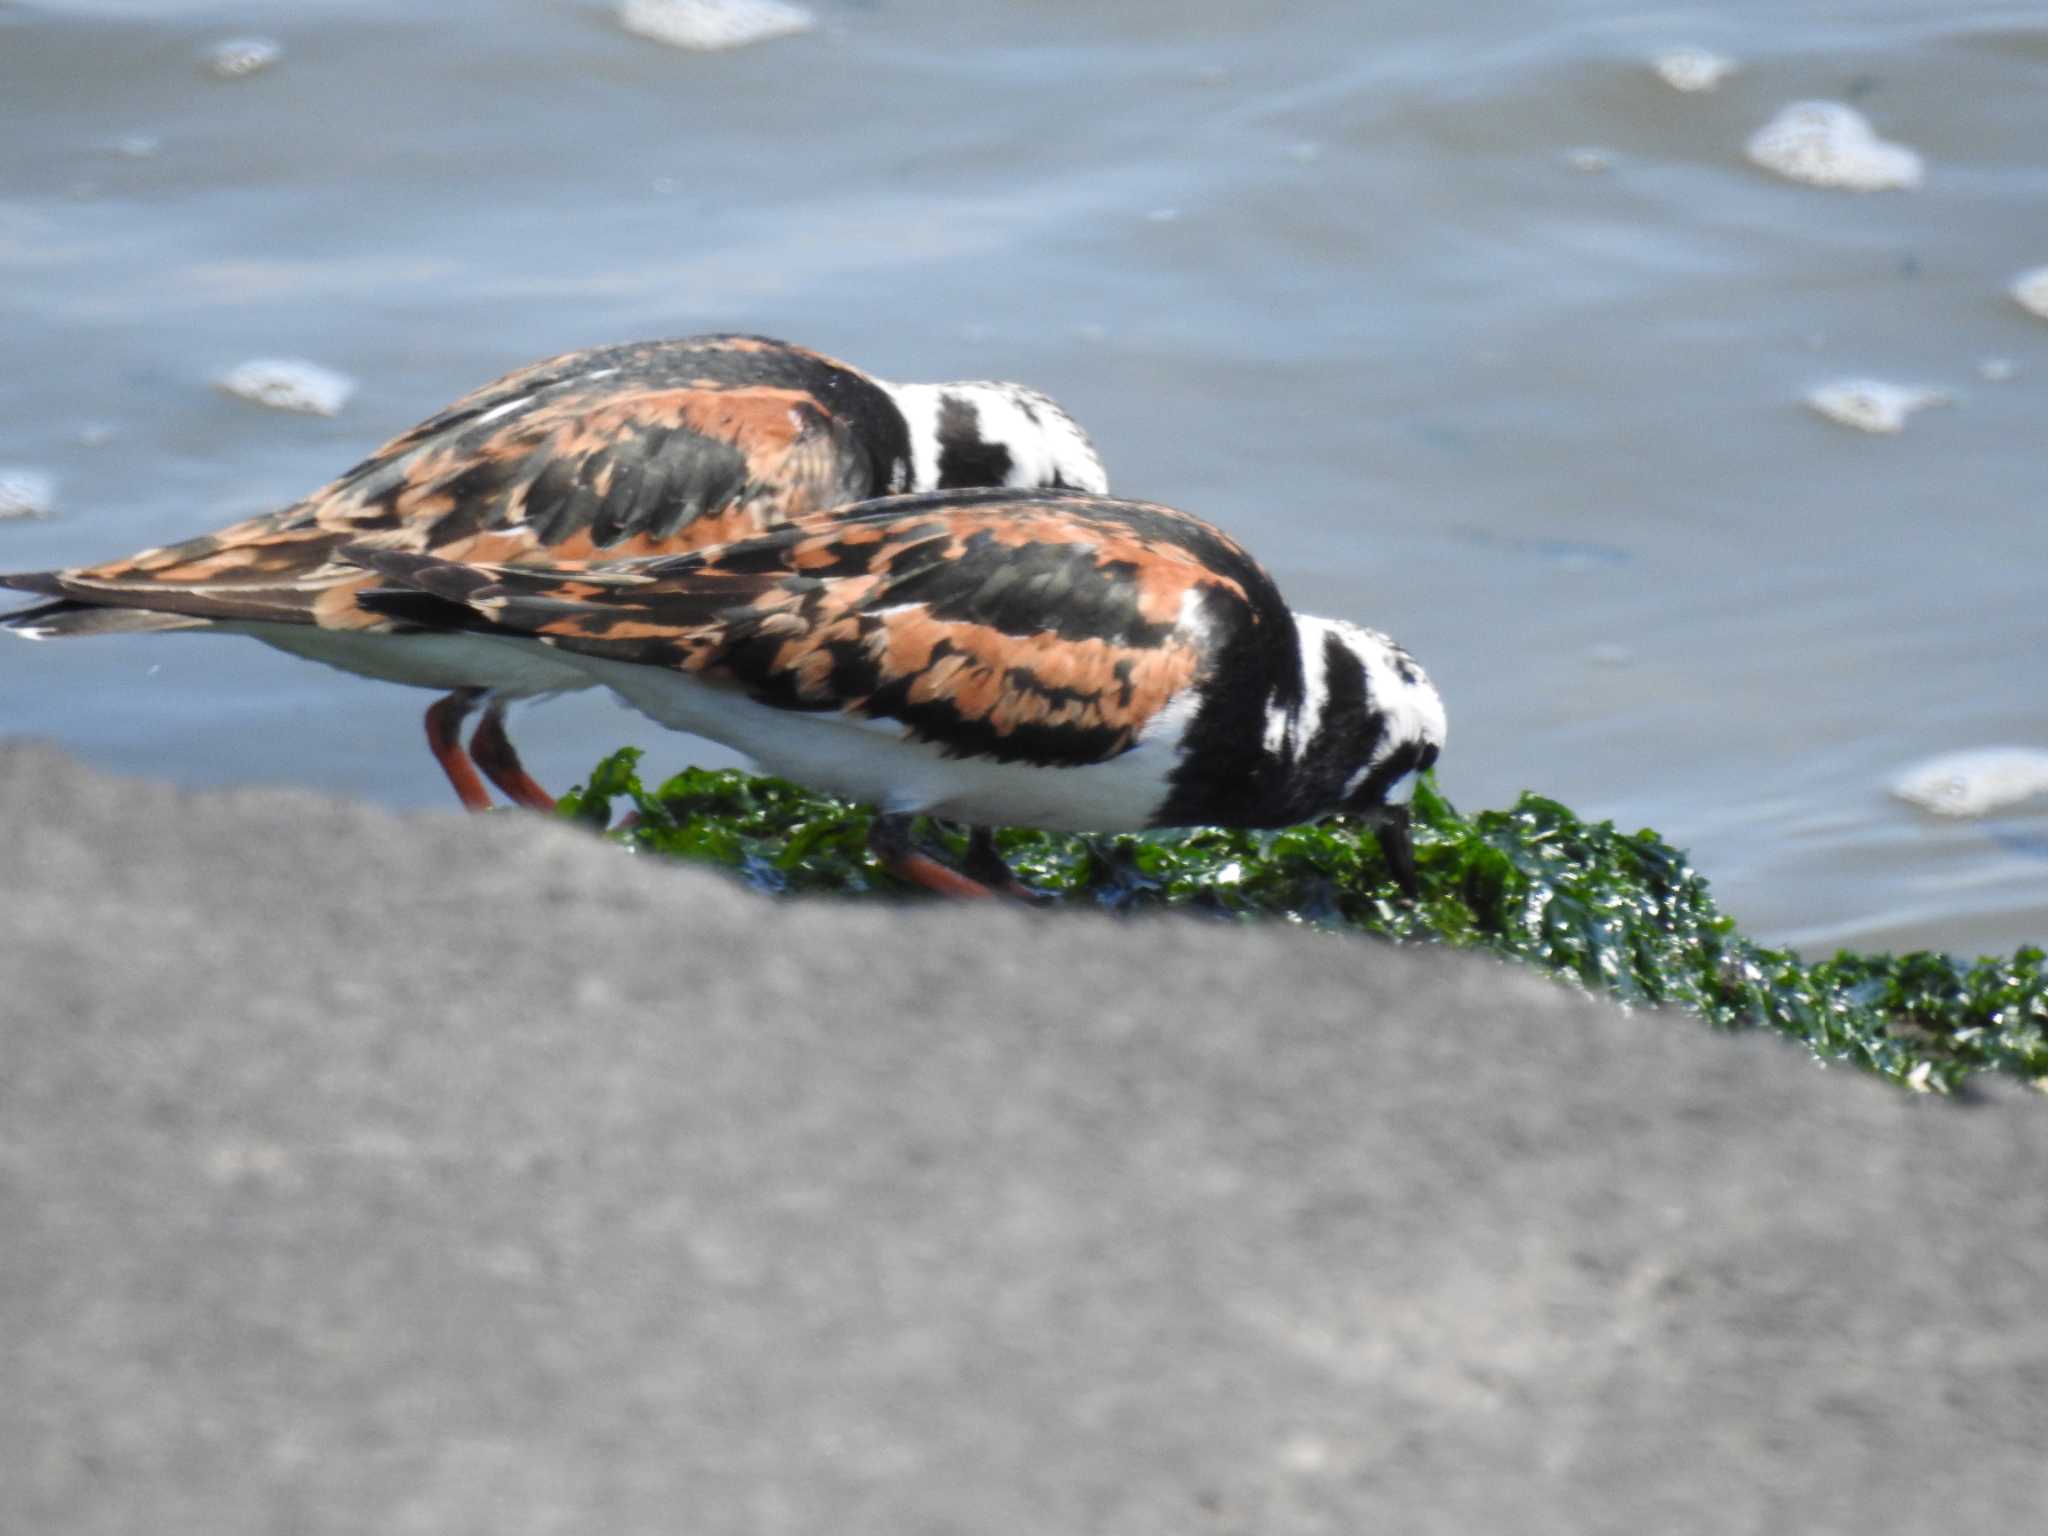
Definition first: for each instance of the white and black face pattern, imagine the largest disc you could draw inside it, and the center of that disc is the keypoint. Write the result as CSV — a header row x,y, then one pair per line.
x,y
991,434
1369,719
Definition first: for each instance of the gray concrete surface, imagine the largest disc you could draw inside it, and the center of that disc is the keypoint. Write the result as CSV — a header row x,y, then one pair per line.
x,y
374,1174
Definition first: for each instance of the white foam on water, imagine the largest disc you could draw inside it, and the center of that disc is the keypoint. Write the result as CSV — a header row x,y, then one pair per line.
x,y
1871,405
1976,781
1693,69
1998,370
289,384
1830,144
1590,159
25,493
2030,291
240,57
706,25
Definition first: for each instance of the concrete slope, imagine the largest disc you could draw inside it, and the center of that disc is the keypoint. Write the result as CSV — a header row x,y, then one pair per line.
x,y
374,1174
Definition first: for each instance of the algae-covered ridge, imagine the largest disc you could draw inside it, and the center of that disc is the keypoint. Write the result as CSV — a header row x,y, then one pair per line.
x,y
1623,914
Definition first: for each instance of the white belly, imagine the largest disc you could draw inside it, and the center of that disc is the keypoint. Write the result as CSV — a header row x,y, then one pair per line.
x,y
876,762
429,658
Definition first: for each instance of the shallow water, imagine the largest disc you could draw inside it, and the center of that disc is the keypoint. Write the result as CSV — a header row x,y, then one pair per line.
x,y
1337,279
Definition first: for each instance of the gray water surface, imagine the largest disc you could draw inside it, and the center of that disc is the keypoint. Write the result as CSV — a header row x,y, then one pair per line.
x,y
1331,275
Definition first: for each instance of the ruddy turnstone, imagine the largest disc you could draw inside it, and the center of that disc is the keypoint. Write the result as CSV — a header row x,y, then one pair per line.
x,y
644,449
1000,658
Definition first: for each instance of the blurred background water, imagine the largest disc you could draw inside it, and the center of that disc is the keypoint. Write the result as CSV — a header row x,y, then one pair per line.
x,y
1470,324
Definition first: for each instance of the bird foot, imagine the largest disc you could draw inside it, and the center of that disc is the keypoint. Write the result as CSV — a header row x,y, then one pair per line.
x,y
984,876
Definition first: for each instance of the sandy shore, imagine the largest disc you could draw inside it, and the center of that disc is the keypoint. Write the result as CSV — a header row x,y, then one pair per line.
x,y
369,1173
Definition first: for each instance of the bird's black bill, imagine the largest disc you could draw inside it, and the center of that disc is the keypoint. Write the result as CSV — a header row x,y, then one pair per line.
x,y
1394,827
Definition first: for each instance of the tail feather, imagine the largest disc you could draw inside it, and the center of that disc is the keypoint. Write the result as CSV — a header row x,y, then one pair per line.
x,y
427,592
449,580
49,583
164,603
64,618
408,608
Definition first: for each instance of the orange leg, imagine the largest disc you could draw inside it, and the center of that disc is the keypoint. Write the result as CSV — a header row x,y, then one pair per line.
x,y
985,866
889,841
444,740
495,754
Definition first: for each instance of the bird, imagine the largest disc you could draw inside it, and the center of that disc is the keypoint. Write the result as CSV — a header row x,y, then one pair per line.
x,y
620,451
992,657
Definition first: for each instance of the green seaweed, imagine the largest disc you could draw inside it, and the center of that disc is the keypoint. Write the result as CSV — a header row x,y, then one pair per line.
x,y
1623,914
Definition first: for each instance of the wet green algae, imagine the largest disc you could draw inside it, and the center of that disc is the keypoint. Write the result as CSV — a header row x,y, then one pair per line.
x,y
1621,914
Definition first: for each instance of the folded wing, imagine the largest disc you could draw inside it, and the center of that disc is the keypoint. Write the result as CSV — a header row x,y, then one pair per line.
x,y
566,461
1045,627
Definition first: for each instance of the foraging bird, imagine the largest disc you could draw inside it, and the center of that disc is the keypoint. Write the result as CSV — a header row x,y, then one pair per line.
x,y
643,449
1000,658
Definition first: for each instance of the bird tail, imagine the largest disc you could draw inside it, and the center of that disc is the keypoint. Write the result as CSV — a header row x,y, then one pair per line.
x,y
64,617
